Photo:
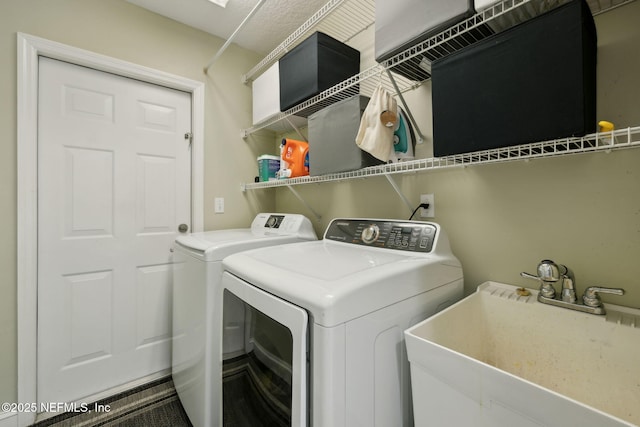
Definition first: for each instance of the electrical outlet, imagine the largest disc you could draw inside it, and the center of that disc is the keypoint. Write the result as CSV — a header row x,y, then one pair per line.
x,y
431,212
218,205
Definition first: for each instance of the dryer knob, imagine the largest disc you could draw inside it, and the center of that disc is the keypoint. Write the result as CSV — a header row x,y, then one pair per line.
x,y
272,222
370,234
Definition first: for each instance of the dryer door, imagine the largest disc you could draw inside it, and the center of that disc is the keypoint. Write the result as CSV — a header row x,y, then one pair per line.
x,y
265,380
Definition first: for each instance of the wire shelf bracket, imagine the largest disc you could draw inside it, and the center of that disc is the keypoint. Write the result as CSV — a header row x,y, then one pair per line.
x,y
304,202
398,191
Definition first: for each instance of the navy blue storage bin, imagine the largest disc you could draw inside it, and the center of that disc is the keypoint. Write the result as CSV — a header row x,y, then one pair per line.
x,y
533,82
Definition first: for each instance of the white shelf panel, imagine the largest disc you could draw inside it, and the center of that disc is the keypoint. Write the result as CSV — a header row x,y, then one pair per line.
x,y
606,141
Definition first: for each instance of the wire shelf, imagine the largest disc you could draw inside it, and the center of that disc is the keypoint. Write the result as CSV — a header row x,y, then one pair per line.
x,y
605,141
341,19
344,19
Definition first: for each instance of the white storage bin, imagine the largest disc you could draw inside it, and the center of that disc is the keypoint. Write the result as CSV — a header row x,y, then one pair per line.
x,y
266,94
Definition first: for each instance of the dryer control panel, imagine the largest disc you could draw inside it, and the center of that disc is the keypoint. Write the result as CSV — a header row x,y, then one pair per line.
x,y
411,236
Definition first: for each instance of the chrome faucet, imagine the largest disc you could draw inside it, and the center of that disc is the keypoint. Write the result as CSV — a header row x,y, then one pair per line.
x,y
549,273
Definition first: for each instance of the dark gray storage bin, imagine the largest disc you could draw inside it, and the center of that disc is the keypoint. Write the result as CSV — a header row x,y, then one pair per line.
x,y
332,138
533,82
315,65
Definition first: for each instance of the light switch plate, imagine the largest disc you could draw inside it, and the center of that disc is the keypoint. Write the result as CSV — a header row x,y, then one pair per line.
x,y
218,203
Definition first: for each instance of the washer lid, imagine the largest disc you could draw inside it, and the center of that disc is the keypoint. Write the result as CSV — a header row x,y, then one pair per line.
x,y
266,229
206,240
215,245
338,281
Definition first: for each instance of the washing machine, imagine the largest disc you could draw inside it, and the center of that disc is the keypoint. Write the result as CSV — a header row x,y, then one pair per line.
x,y
197,344
324,321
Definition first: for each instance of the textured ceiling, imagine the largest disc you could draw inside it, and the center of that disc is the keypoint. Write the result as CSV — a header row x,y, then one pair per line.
x,y
274,21
277,19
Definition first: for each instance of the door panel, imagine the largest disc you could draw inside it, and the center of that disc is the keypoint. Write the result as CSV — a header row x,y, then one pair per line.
x,y
88,199
91,307
154,212
113,185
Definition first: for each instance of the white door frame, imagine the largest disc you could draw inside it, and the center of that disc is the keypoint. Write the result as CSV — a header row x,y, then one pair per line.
x,y
29,49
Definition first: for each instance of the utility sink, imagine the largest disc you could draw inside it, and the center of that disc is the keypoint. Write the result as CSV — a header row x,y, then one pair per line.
x,y
501,358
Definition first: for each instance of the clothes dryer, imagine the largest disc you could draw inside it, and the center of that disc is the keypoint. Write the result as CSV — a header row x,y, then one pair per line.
x,y
197,274
324,323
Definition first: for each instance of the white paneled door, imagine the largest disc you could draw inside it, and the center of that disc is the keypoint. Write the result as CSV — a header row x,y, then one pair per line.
x,y
113,188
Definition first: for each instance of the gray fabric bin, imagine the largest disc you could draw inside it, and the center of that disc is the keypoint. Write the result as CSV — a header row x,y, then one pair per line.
x,y
332,135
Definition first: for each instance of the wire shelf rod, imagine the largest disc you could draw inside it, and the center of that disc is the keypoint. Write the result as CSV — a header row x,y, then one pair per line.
x,y
596,142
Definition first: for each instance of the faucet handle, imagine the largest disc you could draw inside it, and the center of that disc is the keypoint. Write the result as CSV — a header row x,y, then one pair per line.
x,y
529,276
546,288
591,298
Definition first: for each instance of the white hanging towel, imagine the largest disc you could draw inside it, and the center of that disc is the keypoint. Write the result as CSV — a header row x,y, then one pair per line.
x,y
378,122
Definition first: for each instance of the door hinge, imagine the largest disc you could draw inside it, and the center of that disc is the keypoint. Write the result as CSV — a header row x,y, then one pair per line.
x,y
189,136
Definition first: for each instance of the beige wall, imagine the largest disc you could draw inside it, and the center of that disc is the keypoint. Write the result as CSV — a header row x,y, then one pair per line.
x,y
502,219
121,30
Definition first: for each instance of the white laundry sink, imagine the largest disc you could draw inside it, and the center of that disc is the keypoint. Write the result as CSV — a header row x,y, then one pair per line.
x,y
497,358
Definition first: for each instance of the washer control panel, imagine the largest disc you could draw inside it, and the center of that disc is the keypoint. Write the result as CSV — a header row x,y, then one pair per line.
x,y
413,236
274,224
274,221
